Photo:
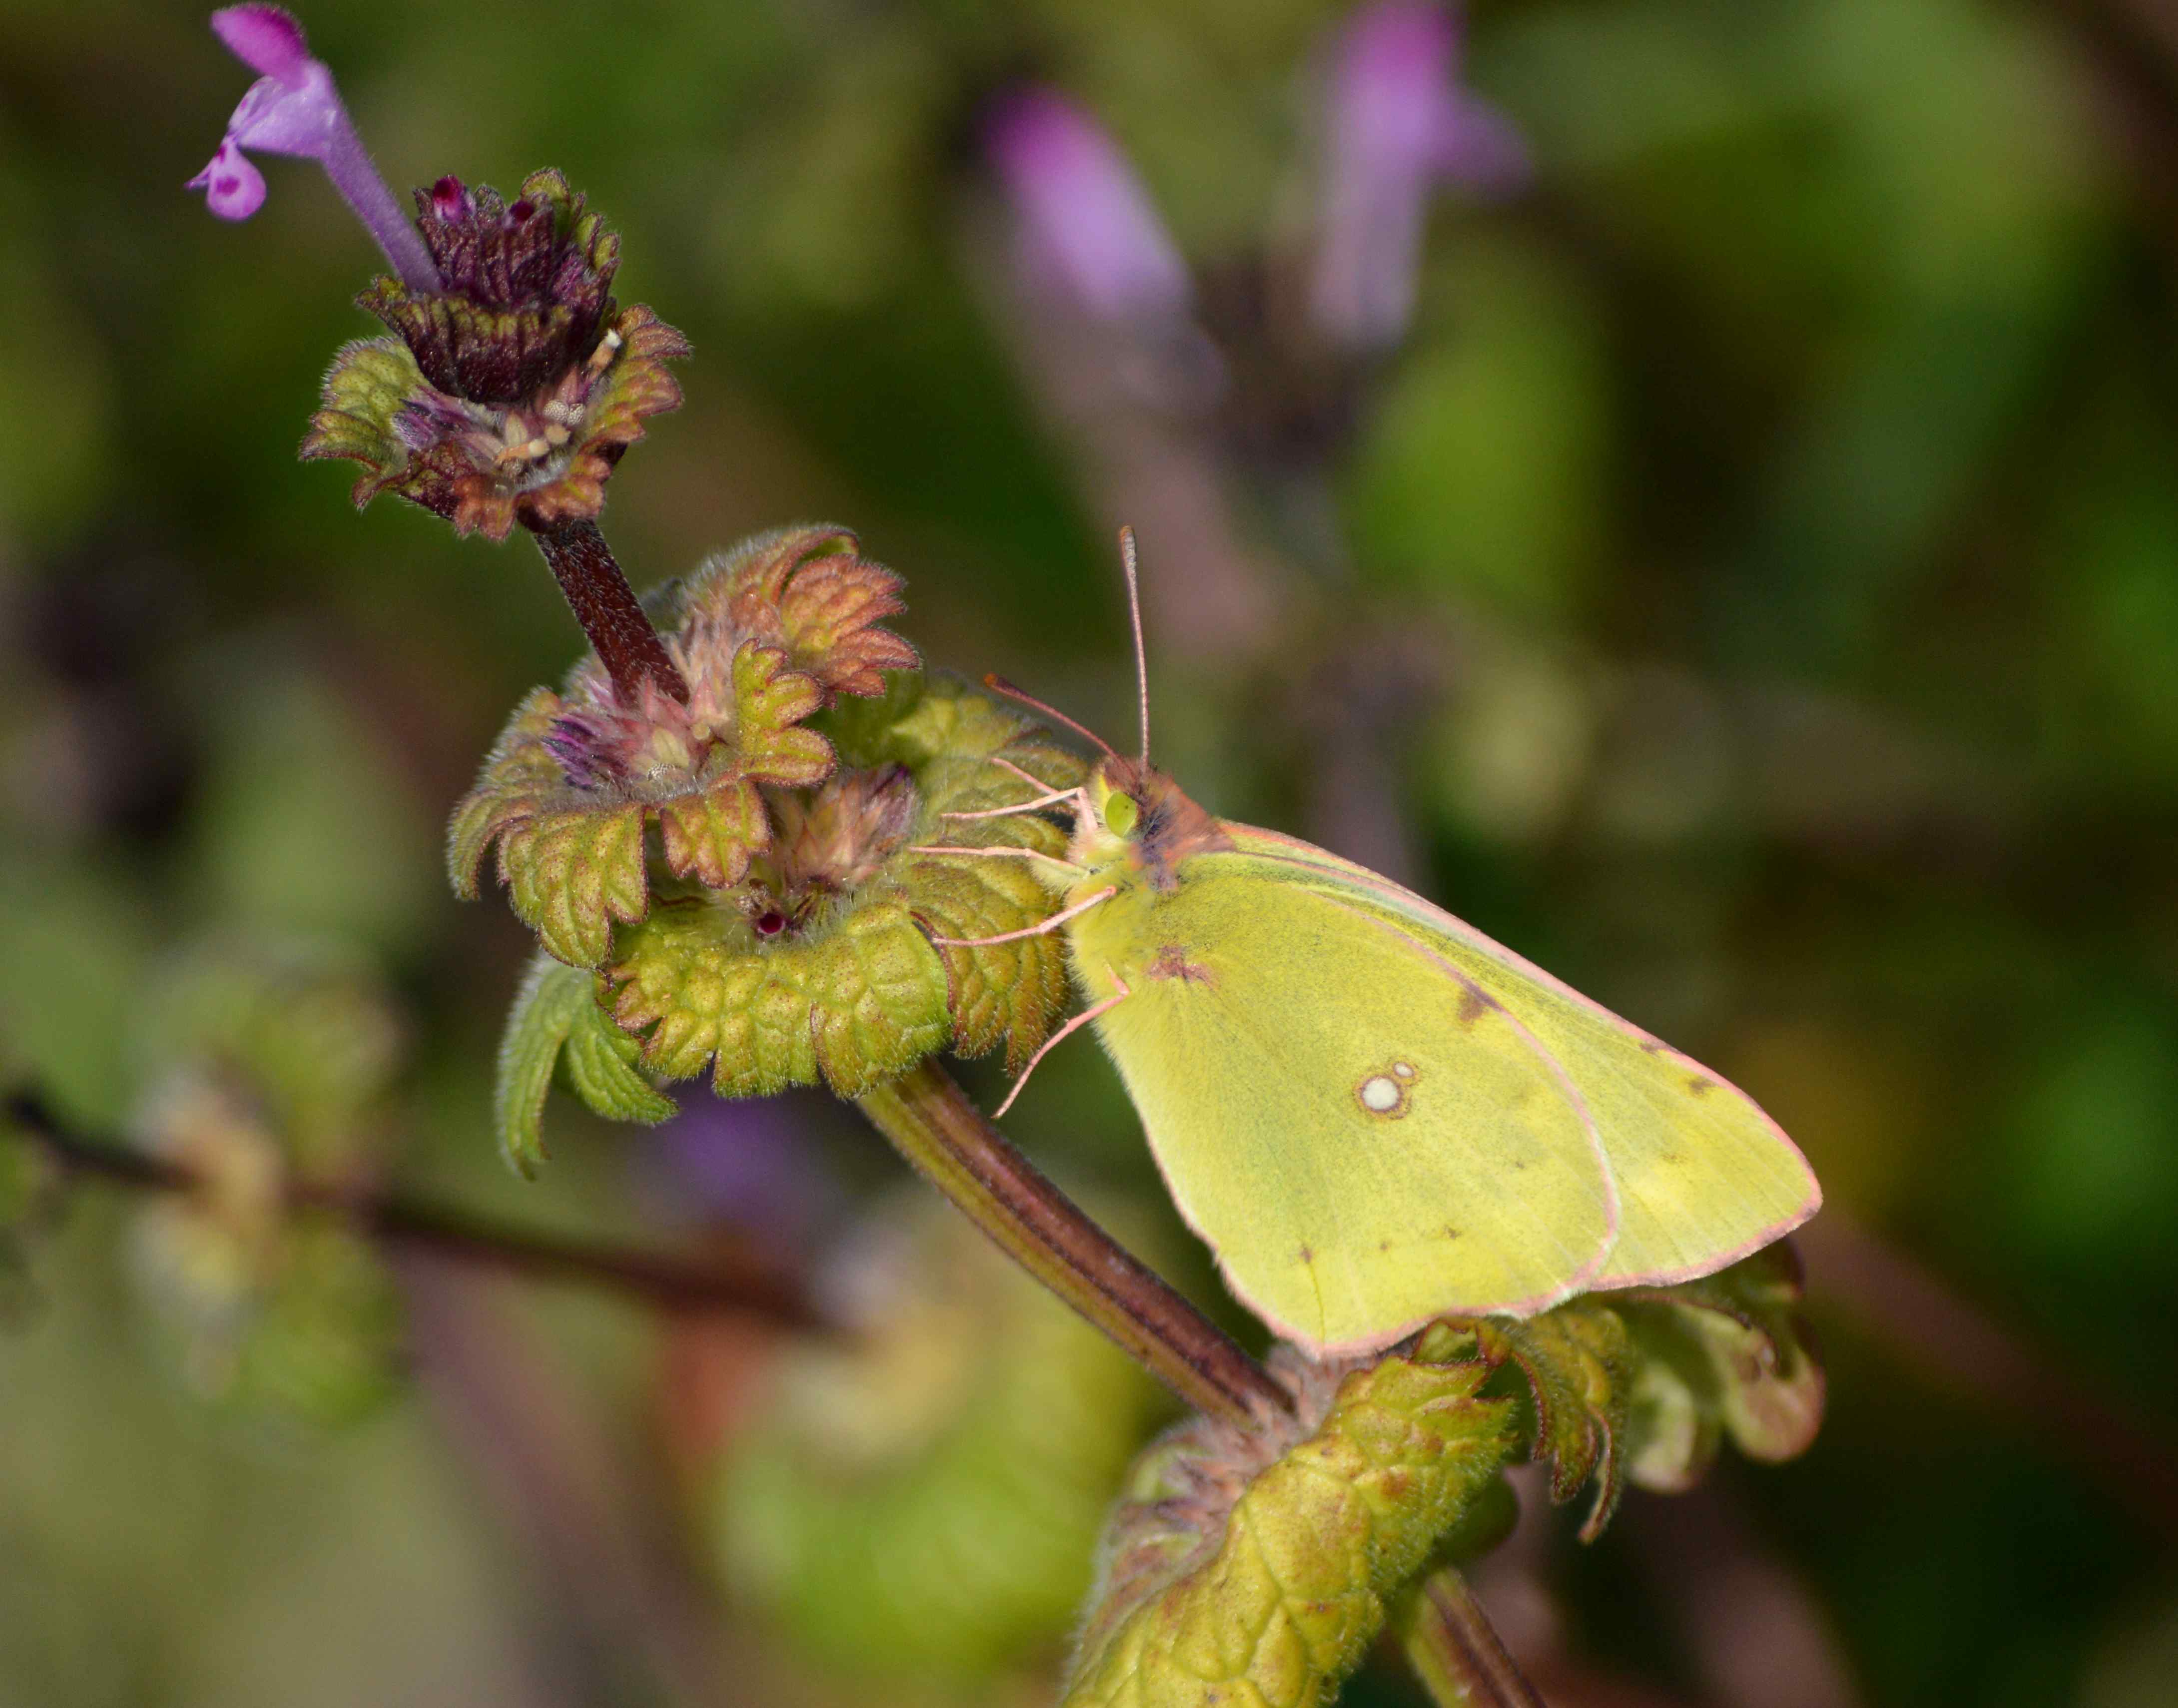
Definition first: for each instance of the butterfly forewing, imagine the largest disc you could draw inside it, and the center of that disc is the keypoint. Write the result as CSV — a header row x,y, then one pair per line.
x,y
1363,1135
1703,1175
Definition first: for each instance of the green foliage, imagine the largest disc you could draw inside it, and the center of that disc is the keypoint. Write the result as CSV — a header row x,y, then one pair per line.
x,y
556,1023
1578,1365
1265,1561
27,1181
924,1499
851,990
1727,1355
311,1040
1257,1566
272,1068
1642,1385
765,635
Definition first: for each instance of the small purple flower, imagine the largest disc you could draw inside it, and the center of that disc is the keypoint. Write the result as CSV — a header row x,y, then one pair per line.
x,y
747,1164
1399,125
294,109
1084,215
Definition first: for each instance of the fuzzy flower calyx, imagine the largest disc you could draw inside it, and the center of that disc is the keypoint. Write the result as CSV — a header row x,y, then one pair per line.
x,y
763,637
788,881
516,382
854,948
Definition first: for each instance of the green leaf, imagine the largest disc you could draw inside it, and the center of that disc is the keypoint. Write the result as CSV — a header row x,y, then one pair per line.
x,y
1005,992
771,700
712,836
1731,1350
556,1017
923,1497
316,1039
570,875
808,589
369,382
600,1064
518,774
1579,1366
1271,1594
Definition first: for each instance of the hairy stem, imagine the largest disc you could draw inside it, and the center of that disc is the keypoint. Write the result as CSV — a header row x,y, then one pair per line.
x,y
932,1123
395,1222
607,608
1458,1657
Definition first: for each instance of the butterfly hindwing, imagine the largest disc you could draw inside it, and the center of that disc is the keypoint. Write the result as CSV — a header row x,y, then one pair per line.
x,y
1363,1134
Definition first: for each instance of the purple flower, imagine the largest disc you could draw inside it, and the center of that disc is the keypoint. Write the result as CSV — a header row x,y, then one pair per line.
x,y
1084,215
1399,125
748,1164
294,109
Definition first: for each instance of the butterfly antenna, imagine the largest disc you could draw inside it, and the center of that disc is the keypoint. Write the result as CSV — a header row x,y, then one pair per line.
x,y
1135,617
998,684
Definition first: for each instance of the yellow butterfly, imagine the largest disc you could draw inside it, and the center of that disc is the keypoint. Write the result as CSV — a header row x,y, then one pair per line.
x,y
1374,1115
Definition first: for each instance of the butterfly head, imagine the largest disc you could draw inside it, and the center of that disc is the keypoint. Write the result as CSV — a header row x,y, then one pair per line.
x,y
1138,818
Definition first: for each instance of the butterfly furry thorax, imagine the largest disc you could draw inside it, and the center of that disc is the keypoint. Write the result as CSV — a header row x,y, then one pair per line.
x,y
1139,826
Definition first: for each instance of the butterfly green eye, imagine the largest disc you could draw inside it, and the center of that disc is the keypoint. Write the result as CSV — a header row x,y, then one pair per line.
x,y
1121,814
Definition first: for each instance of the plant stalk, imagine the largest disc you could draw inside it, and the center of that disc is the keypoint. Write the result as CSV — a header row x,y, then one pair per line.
x,y
663,1282
607,608
929,1120
1458,1657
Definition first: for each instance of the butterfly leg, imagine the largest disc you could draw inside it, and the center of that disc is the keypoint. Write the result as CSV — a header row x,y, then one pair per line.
x,y
1002,853
1050,798
1119,993
1042,929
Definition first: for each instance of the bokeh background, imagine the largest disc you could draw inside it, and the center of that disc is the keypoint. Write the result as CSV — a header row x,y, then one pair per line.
x,y
1747,585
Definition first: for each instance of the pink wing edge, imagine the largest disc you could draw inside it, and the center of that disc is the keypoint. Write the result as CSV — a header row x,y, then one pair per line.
x,y
1270,844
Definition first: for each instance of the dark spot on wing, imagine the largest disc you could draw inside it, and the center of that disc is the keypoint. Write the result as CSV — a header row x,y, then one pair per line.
x,y
1383,1245
1650,1046
1472,1004
1171,963
1700,1086
1307,1254
1450,1231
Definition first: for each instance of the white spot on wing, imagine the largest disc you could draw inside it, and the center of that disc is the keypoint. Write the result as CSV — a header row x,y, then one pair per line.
x,y
1380,1093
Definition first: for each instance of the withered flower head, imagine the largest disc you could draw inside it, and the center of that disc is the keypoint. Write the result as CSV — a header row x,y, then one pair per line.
x,y
762,636
793,878
510,393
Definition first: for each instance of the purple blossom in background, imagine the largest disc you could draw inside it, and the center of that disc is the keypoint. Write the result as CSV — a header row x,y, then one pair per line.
x,y
1399,125
294,109
1084,215
748,1164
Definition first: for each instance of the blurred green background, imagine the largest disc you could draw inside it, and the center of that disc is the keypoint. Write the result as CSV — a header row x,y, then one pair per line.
x,y
1751,590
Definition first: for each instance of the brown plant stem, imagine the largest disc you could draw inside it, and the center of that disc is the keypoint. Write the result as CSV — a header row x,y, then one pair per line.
x,y
406,1224
607,608
1458,1657
929,1120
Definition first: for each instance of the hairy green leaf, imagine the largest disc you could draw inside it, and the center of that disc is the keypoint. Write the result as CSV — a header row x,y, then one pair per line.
x,y
556,1023
1579,1366
1257,1566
